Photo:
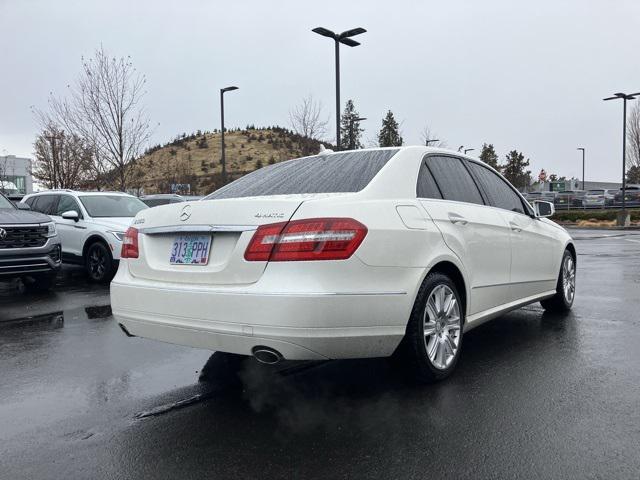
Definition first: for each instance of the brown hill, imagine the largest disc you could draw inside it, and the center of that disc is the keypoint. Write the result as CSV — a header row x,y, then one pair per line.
x,y
195,159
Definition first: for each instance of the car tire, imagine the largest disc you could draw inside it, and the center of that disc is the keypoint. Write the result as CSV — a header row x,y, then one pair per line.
x,y
562,301
99,263
40,283
433,342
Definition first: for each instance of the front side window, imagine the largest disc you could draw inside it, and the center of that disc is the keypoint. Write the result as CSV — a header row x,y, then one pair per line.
x,y
329,173
453,180
498,192
112,205
67,203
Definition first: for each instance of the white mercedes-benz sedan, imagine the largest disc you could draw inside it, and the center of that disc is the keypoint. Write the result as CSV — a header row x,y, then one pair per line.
x,y
367,253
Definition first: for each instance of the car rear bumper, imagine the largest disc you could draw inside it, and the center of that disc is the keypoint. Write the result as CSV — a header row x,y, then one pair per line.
x,y
308,325
30,261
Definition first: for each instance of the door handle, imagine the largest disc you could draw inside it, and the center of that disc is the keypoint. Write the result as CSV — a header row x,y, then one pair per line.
x,y
455,218
515,227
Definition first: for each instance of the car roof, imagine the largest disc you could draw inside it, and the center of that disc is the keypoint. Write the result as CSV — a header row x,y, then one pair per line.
x,y
78,192
161,195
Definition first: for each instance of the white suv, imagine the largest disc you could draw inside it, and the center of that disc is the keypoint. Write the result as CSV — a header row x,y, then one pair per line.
x,y
91,226
352,254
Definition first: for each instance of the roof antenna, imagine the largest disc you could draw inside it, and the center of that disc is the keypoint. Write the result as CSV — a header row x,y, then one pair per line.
x,y
324,151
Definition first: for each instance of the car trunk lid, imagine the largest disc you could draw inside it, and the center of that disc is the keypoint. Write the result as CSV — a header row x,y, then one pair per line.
x,y
228,223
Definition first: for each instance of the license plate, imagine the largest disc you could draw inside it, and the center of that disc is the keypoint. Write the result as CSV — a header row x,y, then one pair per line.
x,y
190,250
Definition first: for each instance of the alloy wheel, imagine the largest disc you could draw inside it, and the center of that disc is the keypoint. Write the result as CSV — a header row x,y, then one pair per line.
x,y
442,326
97,263
568,278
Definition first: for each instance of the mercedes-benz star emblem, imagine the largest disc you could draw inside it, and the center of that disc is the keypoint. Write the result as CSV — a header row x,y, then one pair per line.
x,y
185,213
3,234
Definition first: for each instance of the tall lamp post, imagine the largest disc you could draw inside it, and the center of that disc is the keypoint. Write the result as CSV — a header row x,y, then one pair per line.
x,y
339,38
624,97
54,166
352,145
223,160
582,149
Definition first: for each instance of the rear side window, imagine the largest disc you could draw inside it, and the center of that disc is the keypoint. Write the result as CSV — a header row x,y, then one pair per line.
x,y
331,173
46,204
498,192
427,187
453,180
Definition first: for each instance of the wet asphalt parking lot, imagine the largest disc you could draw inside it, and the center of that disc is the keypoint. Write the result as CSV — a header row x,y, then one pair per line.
x,y
534,396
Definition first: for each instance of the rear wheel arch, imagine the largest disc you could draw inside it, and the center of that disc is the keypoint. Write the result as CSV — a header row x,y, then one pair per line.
x,y
453,272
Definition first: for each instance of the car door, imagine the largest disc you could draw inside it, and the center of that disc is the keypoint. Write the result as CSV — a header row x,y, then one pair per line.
x,y
532,241
477,234
71,232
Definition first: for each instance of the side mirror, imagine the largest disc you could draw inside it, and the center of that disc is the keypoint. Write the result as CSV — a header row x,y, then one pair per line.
x,y
71,215
23,206
543,209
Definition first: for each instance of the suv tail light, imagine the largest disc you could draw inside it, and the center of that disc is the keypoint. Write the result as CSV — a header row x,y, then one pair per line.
x,y
309,239
130,244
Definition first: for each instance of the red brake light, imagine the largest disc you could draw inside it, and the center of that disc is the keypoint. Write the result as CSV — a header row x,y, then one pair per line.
x,y
309,239
130,244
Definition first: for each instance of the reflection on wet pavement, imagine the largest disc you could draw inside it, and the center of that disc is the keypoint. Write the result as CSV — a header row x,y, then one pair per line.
x,y
535,395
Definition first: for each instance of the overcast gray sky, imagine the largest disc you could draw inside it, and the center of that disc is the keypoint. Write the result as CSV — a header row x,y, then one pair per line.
x,y
524,75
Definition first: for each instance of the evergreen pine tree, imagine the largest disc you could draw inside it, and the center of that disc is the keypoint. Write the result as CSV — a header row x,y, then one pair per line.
x,y
633,174
489,155
389,135
350,131
515,171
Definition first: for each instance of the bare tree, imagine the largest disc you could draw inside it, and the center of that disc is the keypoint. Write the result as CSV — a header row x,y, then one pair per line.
x,y
633,136
430,139
4,168
307,121
104,110
61,160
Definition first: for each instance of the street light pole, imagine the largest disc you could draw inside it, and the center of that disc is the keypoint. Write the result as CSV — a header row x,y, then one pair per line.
x,y
352,143
624,98
345,39
468,150
223,160
582,149
54,167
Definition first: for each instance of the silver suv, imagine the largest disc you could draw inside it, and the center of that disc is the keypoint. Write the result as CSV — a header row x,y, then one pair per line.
x,y
29,246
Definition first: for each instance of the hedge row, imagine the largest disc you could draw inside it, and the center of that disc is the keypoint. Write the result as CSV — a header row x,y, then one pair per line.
x,y
575,215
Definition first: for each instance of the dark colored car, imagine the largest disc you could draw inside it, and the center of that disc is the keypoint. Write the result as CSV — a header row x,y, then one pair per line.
x,y
569,199
631,196
161,199
29,246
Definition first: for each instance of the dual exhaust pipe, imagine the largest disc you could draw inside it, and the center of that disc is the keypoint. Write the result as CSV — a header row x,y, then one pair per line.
x,y
267,355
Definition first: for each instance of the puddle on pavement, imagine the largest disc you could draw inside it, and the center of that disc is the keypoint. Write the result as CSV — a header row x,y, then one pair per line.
x,y
100,311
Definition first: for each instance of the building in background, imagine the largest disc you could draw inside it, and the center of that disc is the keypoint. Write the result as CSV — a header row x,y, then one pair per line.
x,y
15,175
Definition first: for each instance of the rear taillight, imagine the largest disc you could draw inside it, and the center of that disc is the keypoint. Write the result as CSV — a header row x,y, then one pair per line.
x,y
310,239
130,244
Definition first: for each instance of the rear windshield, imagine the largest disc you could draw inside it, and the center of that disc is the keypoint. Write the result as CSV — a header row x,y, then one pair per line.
x,y
112,205
331,173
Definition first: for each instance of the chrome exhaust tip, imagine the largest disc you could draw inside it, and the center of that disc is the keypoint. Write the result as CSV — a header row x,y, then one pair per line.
x,y
266,355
